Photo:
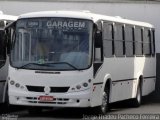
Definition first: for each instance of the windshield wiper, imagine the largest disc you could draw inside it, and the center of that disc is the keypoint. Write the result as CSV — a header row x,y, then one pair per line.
x,y
47,64
24,66
62,63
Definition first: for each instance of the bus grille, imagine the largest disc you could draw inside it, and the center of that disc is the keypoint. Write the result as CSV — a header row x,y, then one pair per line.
x,y
53,89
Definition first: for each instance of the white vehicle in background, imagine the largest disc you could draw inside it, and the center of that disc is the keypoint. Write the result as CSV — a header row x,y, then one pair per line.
x,y
80,59
4,60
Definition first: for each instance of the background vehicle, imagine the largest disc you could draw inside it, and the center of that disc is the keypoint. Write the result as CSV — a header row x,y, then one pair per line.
x,y
4,20
80,59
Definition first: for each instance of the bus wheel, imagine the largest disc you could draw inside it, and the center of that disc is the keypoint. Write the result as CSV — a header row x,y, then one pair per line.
x,y
104,108
137,101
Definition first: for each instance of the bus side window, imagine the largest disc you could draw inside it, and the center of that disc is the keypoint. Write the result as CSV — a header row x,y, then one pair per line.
x,y
108,39
152,42
138,40
26,46
98,43
18,47
118,40
146,42
129,41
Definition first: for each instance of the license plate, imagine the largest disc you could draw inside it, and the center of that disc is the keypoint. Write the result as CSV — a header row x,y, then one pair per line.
x,y
46,98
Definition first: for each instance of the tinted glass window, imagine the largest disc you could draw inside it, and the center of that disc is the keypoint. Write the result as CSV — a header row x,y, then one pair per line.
x,y
138,41
107,40
57,43
129,40
118,39
152,42
146,42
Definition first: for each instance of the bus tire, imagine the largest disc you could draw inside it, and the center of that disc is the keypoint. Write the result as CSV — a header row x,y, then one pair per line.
x,y
138,100
104,108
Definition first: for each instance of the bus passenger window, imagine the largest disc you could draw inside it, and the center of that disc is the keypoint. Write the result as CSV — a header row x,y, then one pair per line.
x,y
118,40
107,39
146,42
152,42
138,41
129,40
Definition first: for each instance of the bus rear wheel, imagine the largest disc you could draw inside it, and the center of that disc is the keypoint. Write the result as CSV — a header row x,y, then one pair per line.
x,y
138,100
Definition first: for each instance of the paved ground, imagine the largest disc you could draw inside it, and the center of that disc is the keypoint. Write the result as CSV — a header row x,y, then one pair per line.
x,y
121,110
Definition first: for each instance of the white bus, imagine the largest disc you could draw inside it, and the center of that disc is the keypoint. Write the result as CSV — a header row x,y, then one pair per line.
x,y
80,59
4,20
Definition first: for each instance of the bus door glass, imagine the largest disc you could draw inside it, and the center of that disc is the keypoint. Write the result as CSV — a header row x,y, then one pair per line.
x,y
98,44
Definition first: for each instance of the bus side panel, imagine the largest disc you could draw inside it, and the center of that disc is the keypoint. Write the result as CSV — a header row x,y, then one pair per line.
x,y
149,77
148,86
96,98
123,79
120,69
125,73
130,70
123,90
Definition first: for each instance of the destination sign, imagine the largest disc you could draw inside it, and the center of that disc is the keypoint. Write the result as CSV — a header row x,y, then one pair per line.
x,y
63,24
55,24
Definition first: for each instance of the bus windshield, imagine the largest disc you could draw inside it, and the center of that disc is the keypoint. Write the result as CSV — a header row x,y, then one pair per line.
x,y
52,44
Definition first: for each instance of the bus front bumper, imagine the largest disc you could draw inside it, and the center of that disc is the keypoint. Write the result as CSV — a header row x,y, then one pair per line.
x,y
74,99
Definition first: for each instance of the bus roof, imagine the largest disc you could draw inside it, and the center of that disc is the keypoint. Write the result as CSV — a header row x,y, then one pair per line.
x,y
7,17
83,15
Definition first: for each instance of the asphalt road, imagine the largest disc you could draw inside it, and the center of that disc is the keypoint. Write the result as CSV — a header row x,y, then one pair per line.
x,y
150,109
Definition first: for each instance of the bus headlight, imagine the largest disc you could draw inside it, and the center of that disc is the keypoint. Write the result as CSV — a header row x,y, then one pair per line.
x,y
78,87
85,84
81,86
22,87
12,82
17,85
